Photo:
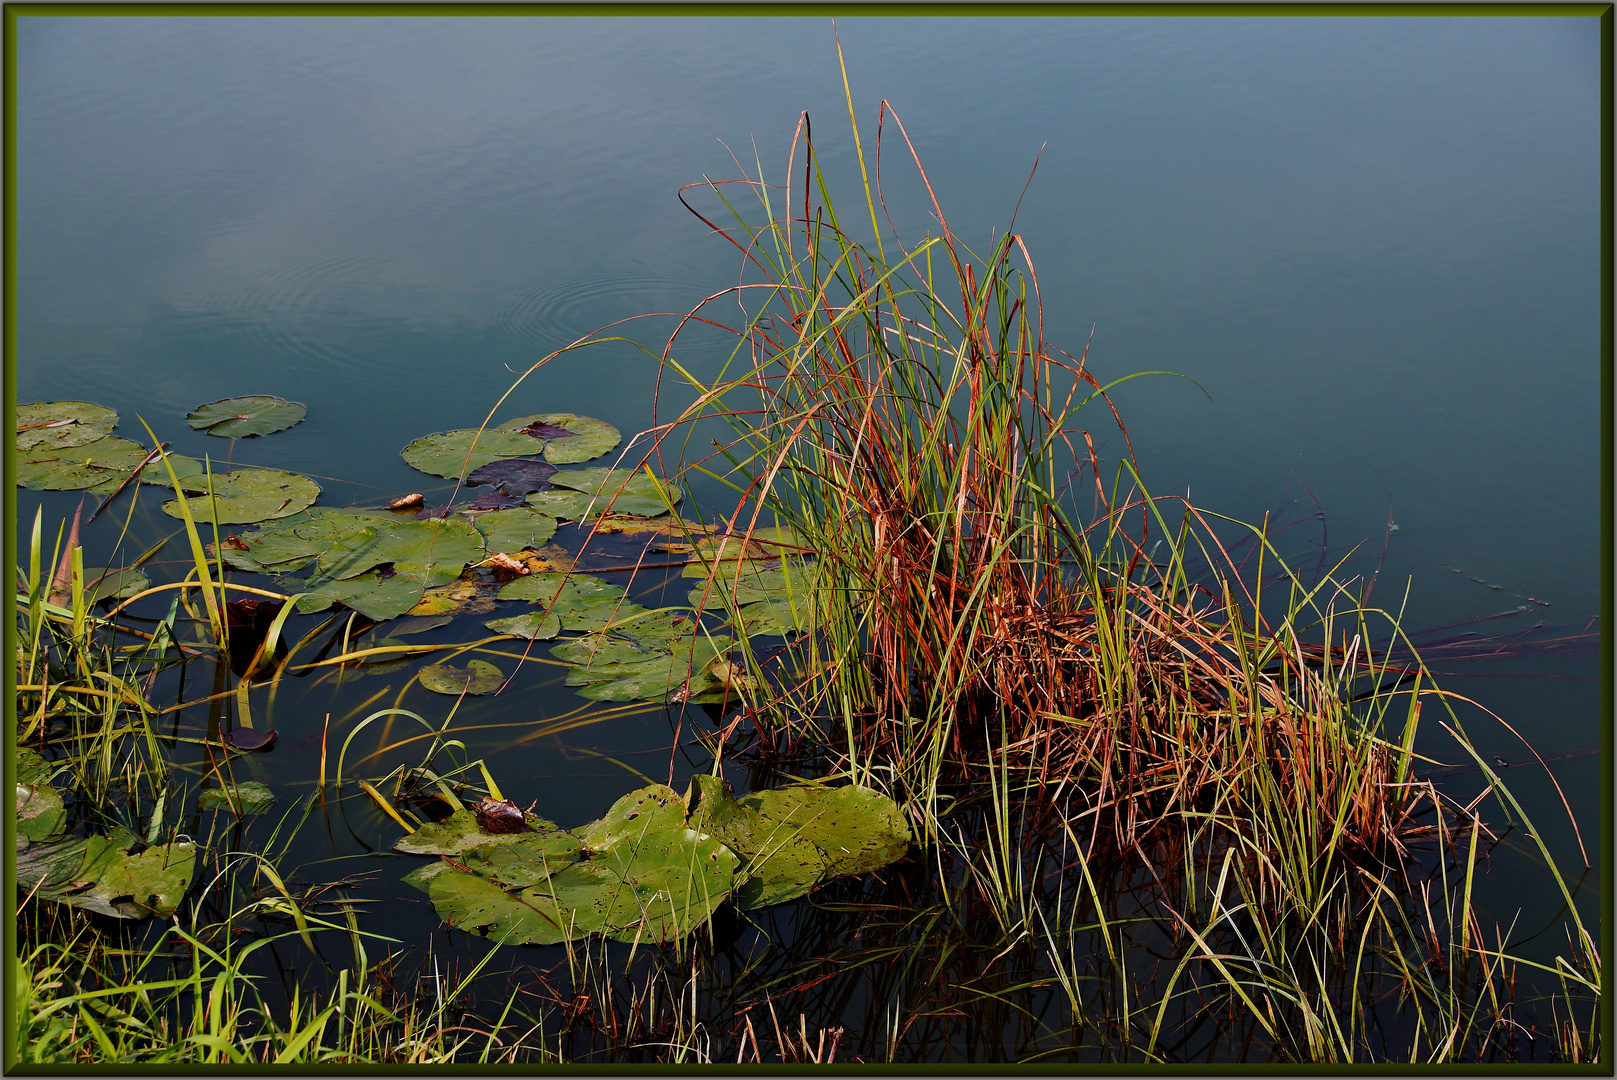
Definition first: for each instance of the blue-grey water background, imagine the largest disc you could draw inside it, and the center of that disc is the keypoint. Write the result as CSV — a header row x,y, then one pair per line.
x,y
1373,242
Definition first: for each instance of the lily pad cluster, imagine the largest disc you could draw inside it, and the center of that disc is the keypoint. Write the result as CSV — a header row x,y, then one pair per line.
x,y
98,873
69,446
466,453
656,865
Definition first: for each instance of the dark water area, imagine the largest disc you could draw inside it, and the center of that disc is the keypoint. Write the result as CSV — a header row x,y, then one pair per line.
x,y
1370,246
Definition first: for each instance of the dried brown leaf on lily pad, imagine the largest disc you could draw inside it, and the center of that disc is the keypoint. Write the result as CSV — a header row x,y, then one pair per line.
x,y
505,567
413,501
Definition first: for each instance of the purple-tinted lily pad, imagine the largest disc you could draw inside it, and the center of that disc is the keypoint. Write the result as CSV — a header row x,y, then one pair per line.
x,y
496,500
515,476
541,430
248,739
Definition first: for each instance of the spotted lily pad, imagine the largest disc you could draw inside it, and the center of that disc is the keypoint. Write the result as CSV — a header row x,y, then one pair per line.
x,y
580,439
40,813
62,424
477,677
29,768
249,495
515,530
535,626
460,832
134,886
517,476
454,454
98,467
245,799
46,870
583,603
533,858
620,491
245,417
649,879
792,839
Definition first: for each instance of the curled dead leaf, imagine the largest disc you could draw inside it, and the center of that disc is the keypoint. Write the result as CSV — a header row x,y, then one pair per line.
x,y
505,567
414,501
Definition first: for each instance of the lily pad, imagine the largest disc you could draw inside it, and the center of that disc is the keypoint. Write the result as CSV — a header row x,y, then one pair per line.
x,y
454,454
40,813
433,552
263,551
657,808
245,417
98,467
584,437
515,530
479,906
620,491
764,551
517,476
477,677
535,626
651,880
30,768
460,832
134,886
583,603
47,870
249,495
658,675
247,798
103,584
530,860
62,424
794,838
467,595
376,597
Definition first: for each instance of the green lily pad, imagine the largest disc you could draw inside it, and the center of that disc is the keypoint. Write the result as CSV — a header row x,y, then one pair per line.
x,y
515,529
460,832
376,597
62,424
453,454
246,799
245,417
249,495
433,552
98,467
765,551
777,618
273,550
103,584
40,814
654,675
589,439
477,677
479,906
47,870
657,808
794,838
620,491
583,603
528,861
134,886
535,626
30,768
191,473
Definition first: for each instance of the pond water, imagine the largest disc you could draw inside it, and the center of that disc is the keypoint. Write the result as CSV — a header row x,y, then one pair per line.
x,y
1372,243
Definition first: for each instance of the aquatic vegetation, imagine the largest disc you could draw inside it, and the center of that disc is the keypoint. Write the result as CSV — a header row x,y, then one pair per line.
x,y
246,496
656,865
246,417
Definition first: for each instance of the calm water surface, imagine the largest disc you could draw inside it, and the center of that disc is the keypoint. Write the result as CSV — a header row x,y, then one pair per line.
x,y
1372,243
